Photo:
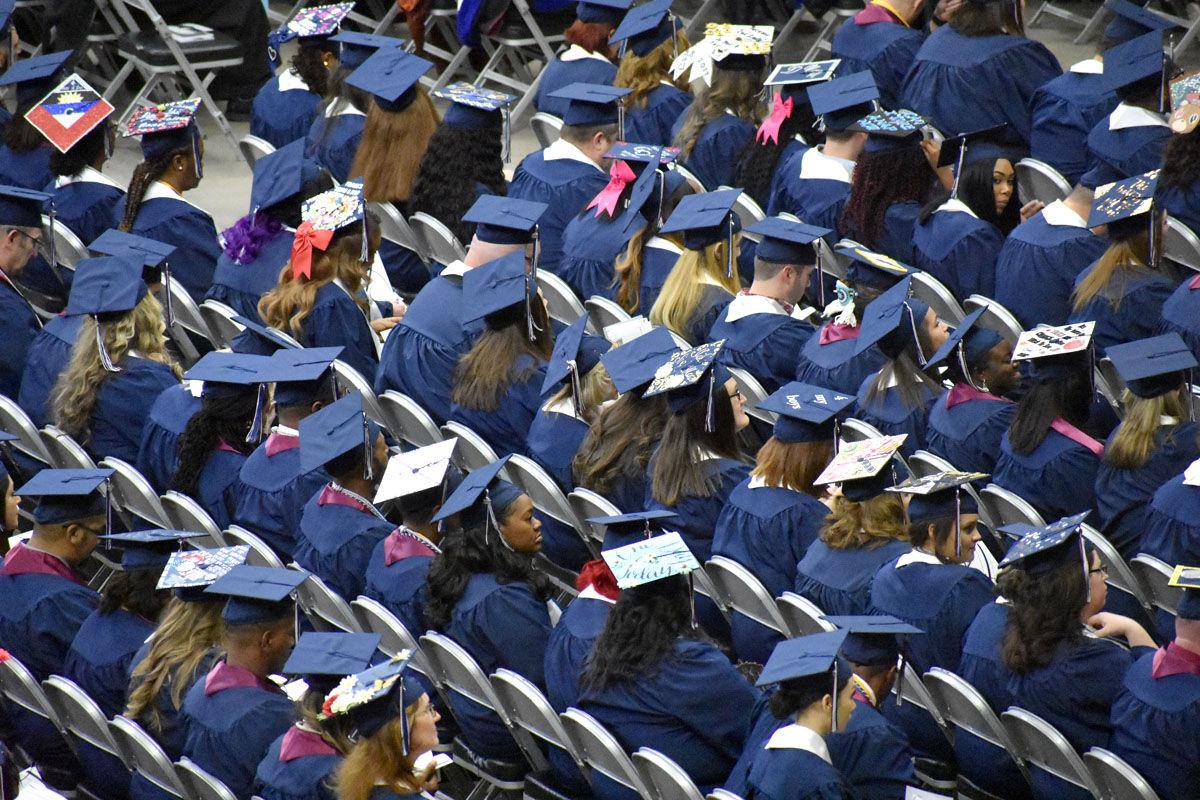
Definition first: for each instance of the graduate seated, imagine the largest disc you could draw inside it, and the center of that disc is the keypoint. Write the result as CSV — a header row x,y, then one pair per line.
x,y
1178,181
21,223
1154,717
650,37
588,59
776,513
287,105
570,172
978,71
831,356
301,763
1048,250
24,152
158,450
1171,533
643,267
231,716
258,245
883,38
761,328
485,594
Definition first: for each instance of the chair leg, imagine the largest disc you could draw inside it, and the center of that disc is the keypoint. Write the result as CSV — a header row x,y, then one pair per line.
x,y
452,68
694,27
518,112
821,43
388,18
1094,25
1193,31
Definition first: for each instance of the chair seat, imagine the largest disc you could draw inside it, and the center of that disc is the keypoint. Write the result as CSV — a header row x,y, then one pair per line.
x,y
494,770
544,787
149,47
937,774
969,791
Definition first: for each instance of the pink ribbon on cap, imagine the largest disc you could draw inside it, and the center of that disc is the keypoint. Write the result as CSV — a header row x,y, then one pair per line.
x,y
619,176
307,237
781,109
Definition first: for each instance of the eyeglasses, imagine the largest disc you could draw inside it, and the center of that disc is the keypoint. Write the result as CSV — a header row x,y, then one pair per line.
x,y
1102,570
29,236
738,394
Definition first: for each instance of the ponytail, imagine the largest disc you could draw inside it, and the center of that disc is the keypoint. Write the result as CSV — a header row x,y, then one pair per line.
x,y
145,174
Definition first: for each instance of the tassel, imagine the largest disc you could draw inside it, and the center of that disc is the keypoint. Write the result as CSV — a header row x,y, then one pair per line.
x,y
837,435
368,451
576,389
1155,238
962,152
834,698
900,678
166,282
104,359
957,523
196,151
53,257
710,422
364,253
506,147
912,321
1087,571
662,190
109,137
729,250
107,506
692,600
255,433
620,121
670,18
820,276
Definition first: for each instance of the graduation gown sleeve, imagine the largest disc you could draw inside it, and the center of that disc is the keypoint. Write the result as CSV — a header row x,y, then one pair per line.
x,y
123,406
18,327
337,320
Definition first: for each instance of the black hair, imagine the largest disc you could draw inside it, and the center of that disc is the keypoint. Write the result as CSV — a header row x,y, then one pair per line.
x,y
455,163
757,161
976,192
1067,395
347,464
797,694
882,179
19,134
308,65
221,418
84,153
145,174
134,591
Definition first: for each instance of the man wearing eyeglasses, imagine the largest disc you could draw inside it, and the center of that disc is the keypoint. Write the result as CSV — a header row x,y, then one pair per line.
x,y
20,232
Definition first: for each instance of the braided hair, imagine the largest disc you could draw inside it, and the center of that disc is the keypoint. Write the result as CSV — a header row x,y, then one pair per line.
x,y
145,174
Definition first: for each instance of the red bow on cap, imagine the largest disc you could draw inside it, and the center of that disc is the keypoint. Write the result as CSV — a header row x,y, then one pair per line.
x,y
307,237
619,175
781,109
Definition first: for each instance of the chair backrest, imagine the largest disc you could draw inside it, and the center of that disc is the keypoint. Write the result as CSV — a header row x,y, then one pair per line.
x,y
1120,574
603,312
801,615
666,779
203,786
18,685
923,462
395,228
80,715
407,420
65,452
1113,381
601,751
147,756
995,316
1182,245
546,128
285,337
1037,180
938,297
1041,744
1155,576
14,420
133,494
323,606
439,241
472,451
185,514
350,377
261,554
531,478
748,211
855,430
373,616
529,709
910,689
739,589
68,249
186,313
723,794
561,301
754,393
590,504
253,148
221,323
963,706
689,176
1117,780
1007,507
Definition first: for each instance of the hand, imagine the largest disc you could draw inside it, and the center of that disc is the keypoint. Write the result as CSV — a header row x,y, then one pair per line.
x,y
398,309
431,785
945,9
1031,208
1106,624
384,324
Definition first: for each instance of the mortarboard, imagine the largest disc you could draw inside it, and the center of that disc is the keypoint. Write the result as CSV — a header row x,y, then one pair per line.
x,y
591,103
391,75
228,375
653,185
302,375
966,345
505,220
258,338
973,146
417,472
786,241
739,48
791,80
334,431
166,128
475,108
870,268
21,207
482,491
1187,579
153,254
499,284
635,363
148,549
1135,60
311,26
843,101
1154,366
939,496
815,654
257,594
644,153
1123,199
682,379
859,467
1131,21
371,699
802,73
281,175
103,286
7,7
645,27
68,495
807,413
195,569
872,638
605,12
69,112
575,354
891,130
1045,548
324,658
648,560
706,219
1056,350
358,47
324,215
35,76
891,321
623,529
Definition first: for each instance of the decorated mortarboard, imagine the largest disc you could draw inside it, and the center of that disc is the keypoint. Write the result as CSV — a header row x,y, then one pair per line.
x,y
802,72
166,128
635,363
323,658
872,638
1135,60
482,498
807,413
806,656
645,27
644,206
257,594
148,549
574,356
21,207
592,104
605,12
103,287
416,472
940,496
860,467
644,153
309,25
258,338
1055,349
281,175
36,75
1131,21
1123,199
69,112
682,379
706,219
391,75
1049,546
891,322
792,80
636,526
739,48
371,699
334,431
1187,579
323,216
302,375
473,108
1155,366
68,495
358,47
195,569
967,346
891,130
505,220
649,560
871,268
786,241
843,101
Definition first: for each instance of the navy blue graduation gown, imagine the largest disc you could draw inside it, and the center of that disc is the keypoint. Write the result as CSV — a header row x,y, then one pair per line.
x,y
658,259
335,149
335,539
85,206
896,234
695,708
583,67
566,184
1049,257
790,773
123,407
968,433
215,486
760,338
767,530
653,123
18,327
1181,314
698,515
966,83
1137,315
227,731
1064,112
29,170
829,359
875,40
815,188
158,450
281,114
1123,496
554,439
336,319
839,581
1156,722
713,159
1058,477
590,246
421,353
170,219
304,772
272,491
872,754
1172,528
1182,203
888,413
405,270
959,250
505,428
241,286
169,732
1114,155
500,625
47,357
396,574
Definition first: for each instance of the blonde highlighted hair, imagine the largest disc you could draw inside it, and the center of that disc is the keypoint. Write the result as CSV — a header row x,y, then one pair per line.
x,y
1131,443
680,295
380,761
627,272
187,634
734,90
1122,261
594,389
392,146
871,523
643,74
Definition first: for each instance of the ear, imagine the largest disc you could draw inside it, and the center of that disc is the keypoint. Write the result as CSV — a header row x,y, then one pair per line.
x,y
827,702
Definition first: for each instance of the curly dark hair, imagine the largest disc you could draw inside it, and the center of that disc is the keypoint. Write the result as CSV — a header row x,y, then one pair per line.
x,y
456,160
757,161
134,591
881,180
84,153
620,442
976,192
1043,613
474,551
1181,162
308,65
220,419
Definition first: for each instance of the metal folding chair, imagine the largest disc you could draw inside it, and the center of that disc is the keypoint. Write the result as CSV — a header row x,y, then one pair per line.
x,y
561,301
666,779
1117,780
546,128
436,239
1182,245
602,752
1041,744
996,317
407,420
253,148
219,319
1037,180
472,451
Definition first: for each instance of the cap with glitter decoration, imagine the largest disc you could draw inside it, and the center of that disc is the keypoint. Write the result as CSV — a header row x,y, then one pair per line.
x,y
481,482
107,285
1135,60
644,153
66,495
1187,579
281,175
165,128
1123,199
195,569
860,467
635,363
646,27
504,220
324,215
1154,366
257,594
20,207
705,219
416,471
786,241
806,412
391,75
473,107
358,47
891,130
495,286
576,352
843,101
605,12
35,76
315,22
148,549
939,496
648,560
371,699
891,322
870,268
1046,547
871,639
739,48
69,112
814,656
682,376
324,658
590,103
1131,21
968,342
335,430
302,375
636,526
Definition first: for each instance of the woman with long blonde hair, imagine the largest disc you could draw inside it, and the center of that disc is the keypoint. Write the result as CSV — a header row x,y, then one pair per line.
x,y
119,363
654,101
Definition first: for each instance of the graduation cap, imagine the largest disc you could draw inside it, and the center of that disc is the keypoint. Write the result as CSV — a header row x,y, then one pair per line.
x,y
302,375
1152,367
1049,546
871,268
968,344
166,128
312,26
358,47
786,241
258,338
230,375
652,186
21,207
705,219
891,130
281,175
681,378
859,467
649,560
35,76
482,491
739,48
1136,60
371,699
574,356
153,254
324,215
635,363
335,430
871,639
189,571
418,477
807,413
806,656
1131,21
843,101
605,12
624,529
324,658
1124,200
643,153
1056,350
68,113
68,495
257,594
984,144
891,321
148,549
106,286
592,104
1188,579
474,108
802,73
391,75
506,220
645,27
499,284
939,496
791,80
